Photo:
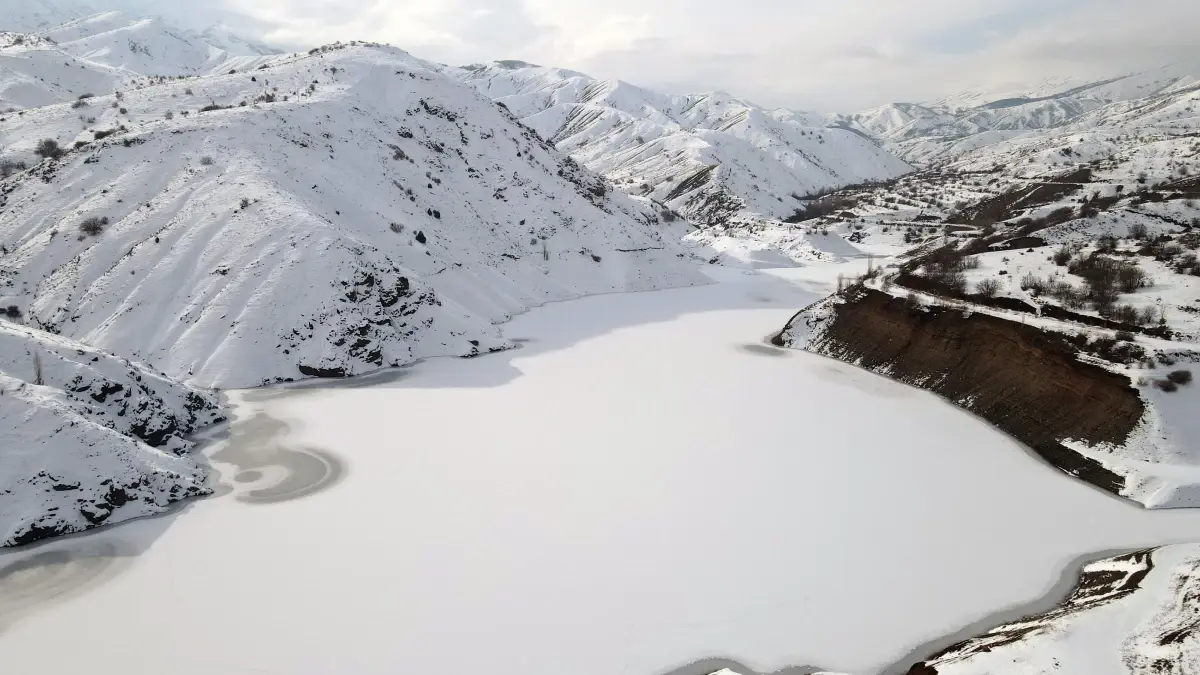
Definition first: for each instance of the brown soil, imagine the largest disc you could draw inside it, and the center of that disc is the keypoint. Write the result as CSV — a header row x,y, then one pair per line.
x,y
1011,204
1026,381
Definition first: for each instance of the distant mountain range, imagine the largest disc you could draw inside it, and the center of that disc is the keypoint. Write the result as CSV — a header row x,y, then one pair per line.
x,y
711,157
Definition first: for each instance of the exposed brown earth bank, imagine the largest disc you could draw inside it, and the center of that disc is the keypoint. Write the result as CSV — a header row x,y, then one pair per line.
x,y
1024,380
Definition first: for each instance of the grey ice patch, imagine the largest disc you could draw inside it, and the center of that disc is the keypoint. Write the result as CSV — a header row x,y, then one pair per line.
x,y
33,582
709,666
764,350
269,471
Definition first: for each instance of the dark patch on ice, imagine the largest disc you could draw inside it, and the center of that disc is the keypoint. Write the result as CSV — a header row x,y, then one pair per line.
x,y
764,350
32,582
708,666
522,341
377,379
267,469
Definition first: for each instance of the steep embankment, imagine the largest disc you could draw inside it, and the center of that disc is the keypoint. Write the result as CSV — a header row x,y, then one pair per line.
x,y
1025,380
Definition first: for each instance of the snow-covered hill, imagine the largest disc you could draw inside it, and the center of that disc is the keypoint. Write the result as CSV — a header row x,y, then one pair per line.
x,y
152,45
30,16
35,72
710,157
89,438
129,40
329,213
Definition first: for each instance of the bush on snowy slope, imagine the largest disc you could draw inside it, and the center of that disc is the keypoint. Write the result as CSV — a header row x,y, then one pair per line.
x,y
376,213
88,439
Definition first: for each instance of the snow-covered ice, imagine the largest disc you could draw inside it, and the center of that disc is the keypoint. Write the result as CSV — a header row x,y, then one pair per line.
x,y
643,484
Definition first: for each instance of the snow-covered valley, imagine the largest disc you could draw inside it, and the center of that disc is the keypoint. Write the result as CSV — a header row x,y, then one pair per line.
x,y
636,482
522,513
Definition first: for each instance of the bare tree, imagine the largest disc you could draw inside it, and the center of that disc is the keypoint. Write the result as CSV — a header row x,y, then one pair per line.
x,y
988,288
37,368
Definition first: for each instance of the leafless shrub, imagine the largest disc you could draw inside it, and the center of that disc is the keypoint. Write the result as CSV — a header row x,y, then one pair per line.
x,y
9,167
1034,284
1180,376
988,288
1130,278
48,148
93,226
1166,385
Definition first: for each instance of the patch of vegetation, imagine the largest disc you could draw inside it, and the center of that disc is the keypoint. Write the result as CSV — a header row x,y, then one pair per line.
x,y
93,226
48,148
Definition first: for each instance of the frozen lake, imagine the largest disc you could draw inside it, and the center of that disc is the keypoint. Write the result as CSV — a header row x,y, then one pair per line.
x,y
643,484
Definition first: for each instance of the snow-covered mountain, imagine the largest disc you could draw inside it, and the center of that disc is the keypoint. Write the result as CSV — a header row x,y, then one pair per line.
x,y
952,126
130,40
325,213
151,45
710,157
36,72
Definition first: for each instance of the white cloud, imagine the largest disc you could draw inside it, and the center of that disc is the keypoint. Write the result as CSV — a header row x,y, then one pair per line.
x,y
800,53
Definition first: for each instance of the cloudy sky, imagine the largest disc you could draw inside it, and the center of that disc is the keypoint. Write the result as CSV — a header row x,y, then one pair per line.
x,y
827,55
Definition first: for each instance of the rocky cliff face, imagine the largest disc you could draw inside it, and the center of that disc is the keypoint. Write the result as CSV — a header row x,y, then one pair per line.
x,y
1025,380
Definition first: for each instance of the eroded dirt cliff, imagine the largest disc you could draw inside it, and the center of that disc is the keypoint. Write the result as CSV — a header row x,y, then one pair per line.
x,y
1026,381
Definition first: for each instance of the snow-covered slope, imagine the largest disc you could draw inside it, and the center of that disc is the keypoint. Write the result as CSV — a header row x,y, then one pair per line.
x,y
121,35
35,72
711,157
30,16
152,45
87,438
352,209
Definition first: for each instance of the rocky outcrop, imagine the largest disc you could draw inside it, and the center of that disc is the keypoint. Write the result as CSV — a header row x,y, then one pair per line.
x,y
88,438
1027,381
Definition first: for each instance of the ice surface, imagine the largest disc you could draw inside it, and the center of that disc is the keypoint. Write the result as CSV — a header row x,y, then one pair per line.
x,y
631,491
